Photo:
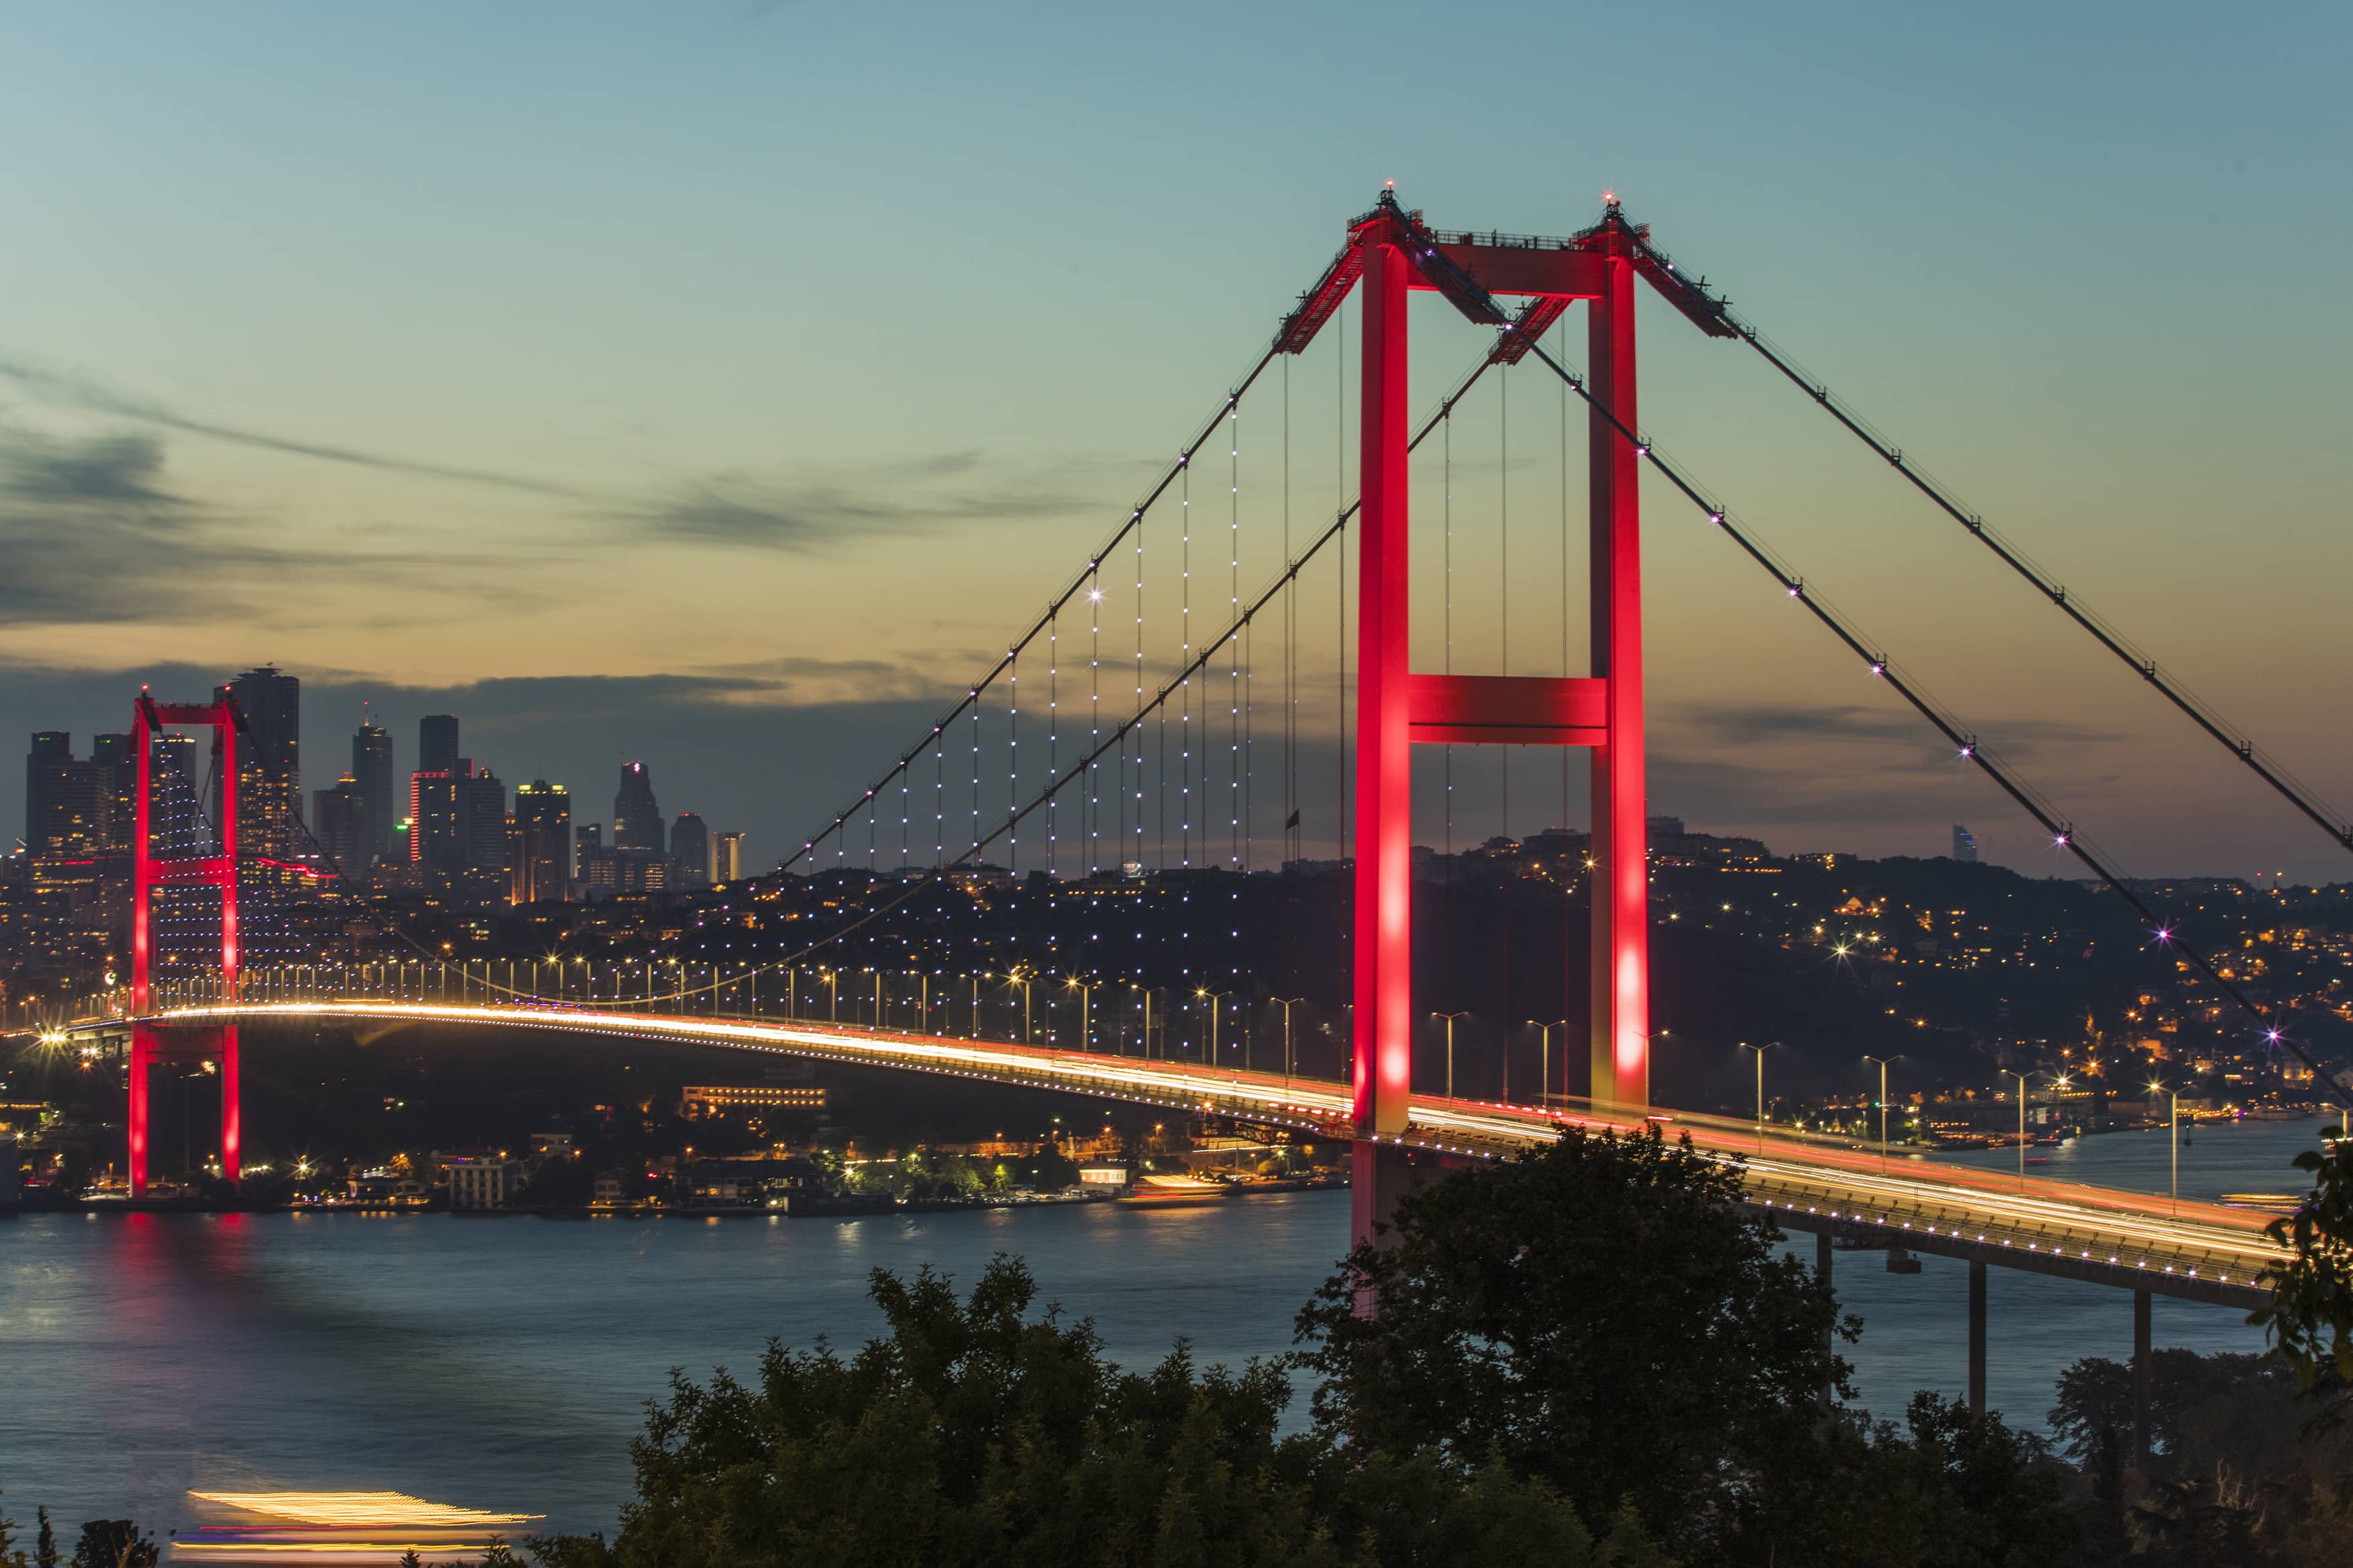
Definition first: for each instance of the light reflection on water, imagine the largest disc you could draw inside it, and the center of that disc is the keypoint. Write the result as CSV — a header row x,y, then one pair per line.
x,y
503,1363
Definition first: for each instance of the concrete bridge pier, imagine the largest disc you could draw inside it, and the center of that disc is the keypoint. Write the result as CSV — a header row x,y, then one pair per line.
x,y
2140,1367
1976,1337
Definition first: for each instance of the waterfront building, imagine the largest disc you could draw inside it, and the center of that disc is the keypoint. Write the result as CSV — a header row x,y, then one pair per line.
x,y
698,1101
483,1181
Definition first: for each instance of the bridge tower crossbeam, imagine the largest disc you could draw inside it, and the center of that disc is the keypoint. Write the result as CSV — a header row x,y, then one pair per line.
x,y
1398,708
149,1042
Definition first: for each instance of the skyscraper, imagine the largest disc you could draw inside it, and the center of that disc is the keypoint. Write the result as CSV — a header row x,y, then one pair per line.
x,y
338,821
636,820
726,857
484,811
269,761
690,850
50,749
437,743
539,845
112,754
1964,844
372,766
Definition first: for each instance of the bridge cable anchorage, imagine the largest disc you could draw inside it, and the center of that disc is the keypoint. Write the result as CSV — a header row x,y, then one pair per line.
x,y
1715,317
1968,749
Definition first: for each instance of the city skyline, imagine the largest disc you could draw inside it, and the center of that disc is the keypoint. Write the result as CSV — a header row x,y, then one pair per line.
x,y
209,463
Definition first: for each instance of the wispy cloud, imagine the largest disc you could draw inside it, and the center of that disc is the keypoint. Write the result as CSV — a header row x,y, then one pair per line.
x,y
71,390
808,515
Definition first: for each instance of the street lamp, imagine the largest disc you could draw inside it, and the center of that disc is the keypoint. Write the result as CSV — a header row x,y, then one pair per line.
x,y
1449,1018
1760,1051
1214,997
1286,1004
1544,1059
1883,1105
2174,1121
1086,990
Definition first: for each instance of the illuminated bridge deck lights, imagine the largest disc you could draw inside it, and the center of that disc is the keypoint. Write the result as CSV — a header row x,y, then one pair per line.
x,y
1805,1181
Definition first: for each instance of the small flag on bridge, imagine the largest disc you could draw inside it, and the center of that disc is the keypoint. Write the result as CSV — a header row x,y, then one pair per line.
x,y
1290,821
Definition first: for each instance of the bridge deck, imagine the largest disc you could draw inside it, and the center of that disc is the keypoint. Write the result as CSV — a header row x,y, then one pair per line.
x,y
2194,1250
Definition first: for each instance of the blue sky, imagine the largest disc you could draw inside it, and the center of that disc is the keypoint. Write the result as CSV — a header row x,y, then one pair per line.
x,y
766,362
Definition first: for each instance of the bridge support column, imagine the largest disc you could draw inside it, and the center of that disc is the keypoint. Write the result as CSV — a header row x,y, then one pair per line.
x,y
232,1130
1383,959
2141,1377
143,1054
1823,1255
1378,1175
1622,869
1976,1337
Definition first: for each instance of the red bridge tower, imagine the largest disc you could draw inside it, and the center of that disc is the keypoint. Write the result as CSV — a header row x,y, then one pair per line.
x,y
149,1043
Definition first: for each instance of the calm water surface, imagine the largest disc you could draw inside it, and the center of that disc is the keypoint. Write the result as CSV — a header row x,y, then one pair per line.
x,y
504,1363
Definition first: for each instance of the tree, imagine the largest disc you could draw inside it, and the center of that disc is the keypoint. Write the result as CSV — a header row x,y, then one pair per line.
x,y
1601,1316
2309,1318
114,1544
977,1433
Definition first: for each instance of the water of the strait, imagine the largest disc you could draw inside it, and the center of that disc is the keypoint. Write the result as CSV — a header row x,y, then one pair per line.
x,y
503,1363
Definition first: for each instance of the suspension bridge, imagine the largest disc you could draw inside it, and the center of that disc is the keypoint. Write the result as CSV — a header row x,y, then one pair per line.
x,y
1198,699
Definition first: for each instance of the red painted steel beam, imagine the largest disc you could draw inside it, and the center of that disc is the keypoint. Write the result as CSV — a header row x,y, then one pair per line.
x,y
1509,709
1518,270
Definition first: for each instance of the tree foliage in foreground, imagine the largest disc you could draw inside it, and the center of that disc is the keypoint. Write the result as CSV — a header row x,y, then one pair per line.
x,y
975,1433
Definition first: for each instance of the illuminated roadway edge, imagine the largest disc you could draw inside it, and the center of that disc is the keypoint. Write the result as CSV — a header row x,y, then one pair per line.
x,y
2198,1252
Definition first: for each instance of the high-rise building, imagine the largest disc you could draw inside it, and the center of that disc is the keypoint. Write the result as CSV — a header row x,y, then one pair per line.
x,y
485,817
1964,844
690,850
592,862
269,761
338,821
372,766
437,743
113,753
726,857
51,749
539,845
459,830
636,820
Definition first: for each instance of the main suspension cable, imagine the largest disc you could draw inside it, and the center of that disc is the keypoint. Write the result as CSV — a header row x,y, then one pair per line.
x,y
2063,835
1077,585
2262,763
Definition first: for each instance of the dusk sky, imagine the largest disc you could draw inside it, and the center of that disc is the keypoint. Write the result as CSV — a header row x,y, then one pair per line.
x,y
722,384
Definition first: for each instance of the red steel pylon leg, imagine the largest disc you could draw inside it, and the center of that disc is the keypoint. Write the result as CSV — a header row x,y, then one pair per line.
x,y
142,1051
231,1130
1621,873
1383,959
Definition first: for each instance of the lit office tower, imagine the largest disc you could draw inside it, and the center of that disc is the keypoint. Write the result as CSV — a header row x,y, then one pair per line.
x,y
372,766
112,753
486,832
338,821
437,743
636,820
690,850
539,844
69,806
269,761
726,857
52,750
1964,844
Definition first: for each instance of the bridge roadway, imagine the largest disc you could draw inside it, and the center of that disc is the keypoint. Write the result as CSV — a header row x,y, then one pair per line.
x,y
1829,1185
